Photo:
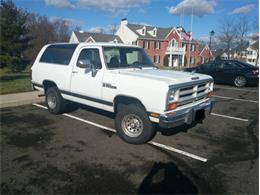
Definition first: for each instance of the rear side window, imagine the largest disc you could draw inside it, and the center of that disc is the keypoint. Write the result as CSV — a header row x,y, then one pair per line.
x,y
58,54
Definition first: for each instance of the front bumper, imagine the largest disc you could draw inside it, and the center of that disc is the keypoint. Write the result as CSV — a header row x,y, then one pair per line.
x,y
185,116
252,80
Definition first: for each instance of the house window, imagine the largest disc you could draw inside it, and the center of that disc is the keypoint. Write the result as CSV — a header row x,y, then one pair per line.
x,y
143,31
157,45
154,32
115,41
146,44
250,52
156,59
192,47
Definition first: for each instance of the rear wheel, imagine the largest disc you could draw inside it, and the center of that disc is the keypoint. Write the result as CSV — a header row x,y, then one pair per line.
x,y
54,101
239,81
133,124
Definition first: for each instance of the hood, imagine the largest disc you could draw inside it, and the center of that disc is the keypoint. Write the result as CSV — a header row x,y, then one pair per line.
x,y
168,76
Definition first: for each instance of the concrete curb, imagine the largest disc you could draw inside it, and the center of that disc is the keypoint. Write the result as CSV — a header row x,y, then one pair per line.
x,y
19,99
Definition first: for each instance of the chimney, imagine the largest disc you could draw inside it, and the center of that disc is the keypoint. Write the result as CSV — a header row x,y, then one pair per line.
x,y
124,21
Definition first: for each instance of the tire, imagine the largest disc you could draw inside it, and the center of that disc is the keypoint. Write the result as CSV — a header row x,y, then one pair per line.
x,y
133,125
54,101
239,81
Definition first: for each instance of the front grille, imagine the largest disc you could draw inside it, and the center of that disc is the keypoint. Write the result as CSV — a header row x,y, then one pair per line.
x,y
192,93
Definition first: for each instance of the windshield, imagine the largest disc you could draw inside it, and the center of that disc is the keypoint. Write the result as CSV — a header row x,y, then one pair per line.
x,y
246,64
126,57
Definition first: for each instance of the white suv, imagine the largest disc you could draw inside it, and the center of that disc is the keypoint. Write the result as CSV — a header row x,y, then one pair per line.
x,y
121,79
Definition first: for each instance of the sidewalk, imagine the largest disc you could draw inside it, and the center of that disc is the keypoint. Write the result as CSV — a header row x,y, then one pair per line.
x,y
18,99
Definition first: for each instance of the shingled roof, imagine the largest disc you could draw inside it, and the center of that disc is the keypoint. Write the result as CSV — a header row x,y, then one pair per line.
x,y
98,37
161,32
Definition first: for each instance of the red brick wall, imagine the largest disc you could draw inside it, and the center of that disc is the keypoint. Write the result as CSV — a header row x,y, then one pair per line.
x,y
164,44
204,54
151,51
194,54
174,35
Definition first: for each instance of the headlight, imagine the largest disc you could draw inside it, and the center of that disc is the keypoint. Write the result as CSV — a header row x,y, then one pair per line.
x,y
171,101
211,86
171,97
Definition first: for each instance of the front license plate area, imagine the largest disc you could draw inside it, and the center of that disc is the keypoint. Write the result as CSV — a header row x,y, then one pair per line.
x,y
199,115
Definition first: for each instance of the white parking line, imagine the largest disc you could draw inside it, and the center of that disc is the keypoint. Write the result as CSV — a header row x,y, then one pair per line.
x,y
237,99
90,123
230,117
178,151
151,142
248,90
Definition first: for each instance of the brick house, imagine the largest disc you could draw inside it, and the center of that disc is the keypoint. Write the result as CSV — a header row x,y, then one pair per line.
x,y
205,54
163,45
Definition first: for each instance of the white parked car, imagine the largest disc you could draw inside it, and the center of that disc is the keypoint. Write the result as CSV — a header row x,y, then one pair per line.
x,y
121,79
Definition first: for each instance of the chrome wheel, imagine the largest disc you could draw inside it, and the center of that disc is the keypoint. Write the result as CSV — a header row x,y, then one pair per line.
x,y
132,125
51,101
240,81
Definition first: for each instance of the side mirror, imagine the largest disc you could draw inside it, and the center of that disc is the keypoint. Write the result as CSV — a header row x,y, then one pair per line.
x,y
84,64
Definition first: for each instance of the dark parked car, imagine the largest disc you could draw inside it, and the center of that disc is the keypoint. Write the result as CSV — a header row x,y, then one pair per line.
x,y
229,72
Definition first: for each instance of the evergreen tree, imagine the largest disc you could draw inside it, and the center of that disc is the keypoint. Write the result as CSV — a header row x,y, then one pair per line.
x,y
13,39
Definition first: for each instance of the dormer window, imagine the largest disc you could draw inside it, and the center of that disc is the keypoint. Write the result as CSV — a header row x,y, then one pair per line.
x,y
155,32
143,30
115,41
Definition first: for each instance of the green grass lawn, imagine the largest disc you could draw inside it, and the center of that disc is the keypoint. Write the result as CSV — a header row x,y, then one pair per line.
x,y
14,82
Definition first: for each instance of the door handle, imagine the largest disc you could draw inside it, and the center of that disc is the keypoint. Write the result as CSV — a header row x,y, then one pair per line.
x,y
74,72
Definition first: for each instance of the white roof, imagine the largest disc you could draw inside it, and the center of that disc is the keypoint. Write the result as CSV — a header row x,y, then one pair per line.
x,y
100,44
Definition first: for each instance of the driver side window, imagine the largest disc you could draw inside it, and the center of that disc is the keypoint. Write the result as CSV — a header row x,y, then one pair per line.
x,y
92,56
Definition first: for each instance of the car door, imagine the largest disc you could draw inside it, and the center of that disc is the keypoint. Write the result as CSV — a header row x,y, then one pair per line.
x,y
231,69
217,71
205,68
86,85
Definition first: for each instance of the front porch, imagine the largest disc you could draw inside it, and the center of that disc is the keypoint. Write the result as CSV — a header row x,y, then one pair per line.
x,y
175,60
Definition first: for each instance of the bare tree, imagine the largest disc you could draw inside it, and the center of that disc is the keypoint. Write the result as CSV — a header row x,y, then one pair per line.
x,y
41,32
114,28
77,28
62,30
242,28
227,33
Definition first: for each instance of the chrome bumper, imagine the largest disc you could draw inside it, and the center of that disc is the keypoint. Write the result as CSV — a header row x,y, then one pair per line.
x,y
185,116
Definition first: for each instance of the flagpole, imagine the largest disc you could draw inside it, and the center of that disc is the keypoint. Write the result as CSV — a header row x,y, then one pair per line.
x,y
191,23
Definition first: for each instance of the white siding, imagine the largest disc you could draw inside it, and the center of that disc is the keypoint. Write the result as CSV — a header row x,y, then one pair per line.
x,y
73,38
126,35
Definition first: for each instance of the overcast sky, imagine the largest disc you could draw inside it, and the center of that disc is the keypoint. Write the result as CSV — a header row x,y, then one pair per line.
x,y
95,14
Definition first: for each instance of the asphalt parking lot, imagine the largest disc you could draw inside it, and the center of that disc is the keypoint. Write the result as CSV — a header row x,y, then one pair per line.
x,y
79,153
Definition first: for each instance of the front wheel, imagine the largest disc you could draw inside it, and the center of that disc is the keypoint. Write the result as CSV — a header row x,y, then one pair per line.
x,y
239,81
133,125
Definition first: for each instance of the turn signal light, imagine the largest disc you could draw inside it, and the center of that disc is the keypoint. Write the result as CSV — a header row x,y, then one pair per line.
x,y
156,115
172,106
210,94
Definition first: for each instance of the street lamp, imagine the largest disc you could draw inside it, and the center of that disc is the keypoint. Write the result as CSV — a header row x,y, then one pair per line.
x,y
211,34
